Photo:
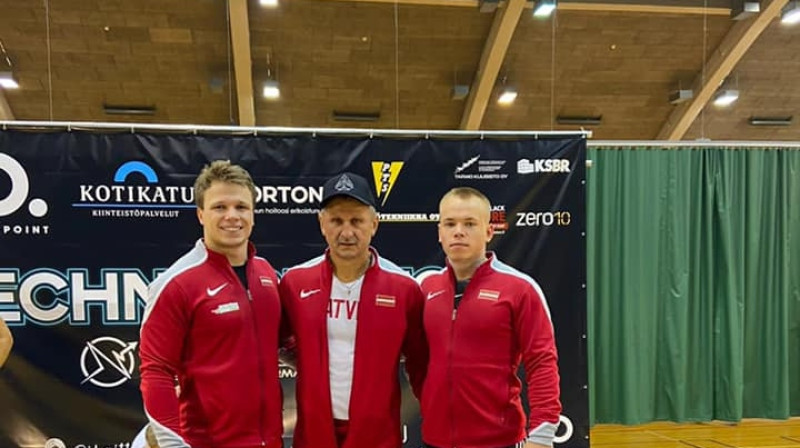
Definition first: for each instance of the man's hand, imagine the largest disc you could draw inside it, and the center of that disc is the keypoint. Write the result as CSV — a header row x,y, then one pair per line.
x,y
536,445
6,341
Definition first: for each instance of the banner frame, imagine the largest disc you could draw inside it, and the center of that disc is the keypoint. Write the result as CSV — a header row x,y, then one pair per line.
x,y
133,128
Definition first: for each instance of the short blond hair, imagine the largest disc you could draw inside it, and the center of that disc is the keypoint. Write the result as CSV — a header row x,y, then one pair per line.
x,y
222,171
466,193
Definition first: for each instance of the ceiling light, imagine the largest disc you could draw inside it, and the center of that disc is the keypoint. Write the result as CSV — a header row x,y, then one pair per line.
x,y
7,80
271,90
544,8
791,13
356,116
268,3
579,119
744,9
770,121
725,98
128,110
487,5
680,96
507,96
459,92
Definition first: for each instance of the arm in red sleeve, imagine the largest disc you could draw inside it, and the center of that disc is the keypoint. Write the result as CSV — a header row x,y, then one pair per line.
x,y
287,352
164,329
415,346
538,348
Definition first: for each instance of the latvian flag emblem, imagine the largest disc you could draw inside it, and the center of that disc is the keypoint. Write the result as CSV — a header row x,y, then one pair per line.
x,y
266,281
488,294
386,301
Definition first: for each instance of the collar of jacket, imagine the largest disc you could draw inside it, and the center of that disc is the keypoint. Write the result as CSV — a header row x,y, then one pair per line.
x,y
327,267
221,260
482,270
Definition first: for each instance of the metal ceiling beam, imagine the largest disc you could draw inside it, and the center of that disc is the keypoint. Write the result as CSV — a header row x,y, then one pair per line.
x,y
494,52
643,7
242,61
719,65
715,7
5,110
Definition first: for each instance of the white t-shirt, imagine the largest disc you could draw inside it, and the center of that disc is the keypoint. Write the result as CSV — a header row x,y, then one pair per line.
x,y
342,321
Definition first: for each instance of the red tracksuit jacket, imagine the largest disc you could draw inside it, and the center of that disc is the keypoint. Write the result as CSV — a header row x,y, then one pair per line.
x,y
389,324
220,340
471,397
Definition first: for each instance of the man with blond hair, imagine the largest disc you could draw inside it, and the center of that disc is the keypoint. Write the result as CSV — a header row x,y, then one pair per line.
x,y
212,321
482,318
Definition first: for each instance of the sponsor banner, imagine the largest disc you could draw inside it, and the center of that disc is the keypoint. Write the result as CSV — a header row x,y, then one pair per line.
x,y
89,220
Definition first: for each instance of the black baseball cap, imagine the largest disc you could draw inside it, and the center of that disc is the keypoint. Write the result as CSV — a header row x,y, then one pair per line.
x,y
349,185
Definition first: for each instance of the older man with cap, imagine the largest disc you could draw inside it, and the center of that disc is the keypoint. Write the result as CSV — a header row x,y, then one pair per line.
x,y
352,314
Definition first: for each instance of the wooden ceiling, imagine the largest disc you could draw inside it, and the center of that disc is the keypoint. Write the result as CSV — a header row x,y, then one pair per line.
x,y
618,59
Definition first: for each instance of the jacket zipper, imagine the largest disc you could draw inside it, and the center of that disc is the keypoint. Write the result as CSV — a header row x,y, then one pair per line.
x,y
260,368
450,374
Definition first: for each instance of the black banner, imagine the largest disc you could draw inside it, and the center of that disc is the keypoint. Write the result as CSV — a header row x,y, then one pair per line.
x,y
87,220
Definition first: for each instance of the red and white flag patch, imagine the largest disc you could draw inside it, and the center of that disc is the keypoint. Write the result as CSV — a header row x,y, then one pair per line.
x,y
385,301
266,281
488,294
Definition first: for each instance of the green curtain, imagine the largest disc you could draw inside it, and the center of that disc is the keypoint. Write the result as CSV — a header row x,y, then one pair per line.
x,y
694,283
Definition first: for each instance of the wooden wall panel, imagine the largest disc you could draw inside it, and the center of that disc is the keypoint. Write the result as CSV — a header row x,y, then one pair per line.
x,y
340,55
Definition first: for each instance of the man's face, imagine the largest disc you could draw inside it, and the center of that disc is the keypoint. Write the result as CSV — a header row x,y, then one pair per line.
x,y
464,229
226,216
348,227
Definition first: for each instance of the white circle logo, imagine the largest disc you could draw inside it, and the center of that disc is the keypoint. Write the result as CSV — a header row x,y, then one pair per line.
x,y
19,190
568,429
54,443
107,362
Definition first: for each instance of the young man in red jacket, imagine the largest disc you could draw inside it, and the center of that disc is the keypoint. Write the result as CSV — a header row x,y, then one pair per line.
x,y
482,317
212,321
353,314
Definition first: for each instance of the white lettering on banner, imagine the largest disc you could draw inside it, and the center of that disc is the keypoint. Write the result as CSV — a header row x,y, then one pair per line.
x,y
524,166
16,198
286,211
46,296
545,219
484,169
134,213
96,445
31,285
408,217
120,296
25,229
153,195
58,443
283,194
145,194
286,371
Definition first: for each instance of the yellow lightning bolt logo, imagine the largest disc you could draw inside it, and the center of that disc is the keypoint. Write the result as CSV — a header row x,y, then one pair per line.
x,y
385,175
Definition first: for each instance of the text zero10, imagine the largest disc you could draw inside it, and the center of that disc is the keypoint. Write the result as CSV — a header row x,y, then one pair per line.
x,y
535,219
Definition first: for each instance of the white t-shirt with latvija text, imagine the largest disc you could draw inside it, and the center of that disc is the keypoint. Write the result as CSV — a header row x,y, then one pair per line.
x,y
342,321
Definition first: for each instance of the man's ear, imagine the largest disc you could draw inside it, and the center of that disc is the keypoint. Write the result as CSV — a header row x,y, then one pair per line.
x,y
375,224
